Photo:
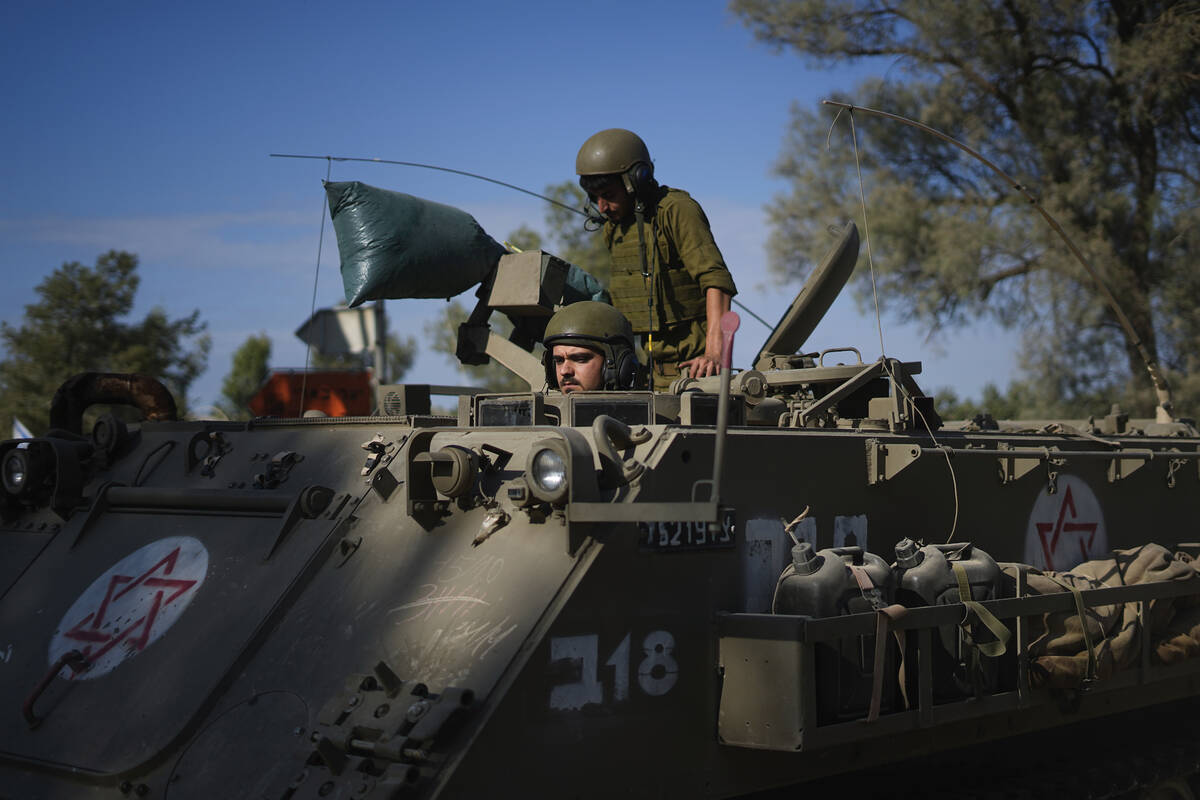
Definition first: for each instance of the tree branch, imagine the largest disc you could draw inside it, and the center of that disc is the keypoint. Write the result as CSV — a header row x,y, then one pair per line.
x,y
989,282
1057,61
1187,176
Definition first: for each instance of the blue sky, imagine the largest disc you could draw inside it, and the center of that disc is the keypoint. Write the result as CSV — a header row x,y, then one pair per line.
x,y
147,127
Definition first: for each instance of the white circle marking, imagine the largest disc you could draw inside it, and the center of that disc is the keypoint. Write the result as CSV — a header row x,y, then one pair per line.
x,y
1065,528
131,605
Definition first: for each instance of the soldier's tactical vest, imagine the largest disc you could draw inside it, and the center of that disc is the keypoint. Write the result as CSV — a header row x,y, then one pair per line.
x,y
677,294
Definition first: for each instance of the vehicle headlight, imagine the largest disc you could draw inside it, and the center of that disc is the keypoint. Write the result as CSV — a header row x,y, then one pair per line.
x,y
16,471
549,470
546,472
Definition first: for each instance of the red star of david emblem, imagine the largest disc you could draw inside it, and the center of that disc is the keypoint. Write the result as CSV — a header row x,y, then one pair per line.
x,y
1051,532
152,583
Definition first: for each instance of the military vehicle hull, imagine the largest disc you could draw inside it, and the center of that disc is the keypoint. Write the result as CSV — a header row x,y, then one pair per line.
x,y
259,614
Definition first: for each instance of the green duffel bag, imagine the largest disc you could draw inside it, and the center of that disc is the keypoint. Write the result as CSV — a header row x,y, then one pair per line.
x,y
393,245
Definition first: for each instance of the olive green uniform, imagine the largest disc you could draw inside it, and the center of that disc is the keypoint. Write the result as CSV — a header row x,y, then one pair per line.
x,y
685,263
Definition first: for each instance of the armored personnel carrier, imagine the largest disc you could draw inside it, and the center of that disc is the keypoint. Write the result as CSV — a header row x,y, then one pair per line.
x,y
682,594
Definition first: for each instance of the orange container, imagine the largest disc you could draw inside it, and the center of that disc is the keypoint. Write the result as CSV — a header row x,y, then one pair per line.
x,y
339,393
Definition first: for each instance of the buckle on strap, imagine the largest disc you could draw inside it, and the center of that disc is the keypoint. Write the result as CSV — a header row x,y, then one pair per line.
x,y
867,587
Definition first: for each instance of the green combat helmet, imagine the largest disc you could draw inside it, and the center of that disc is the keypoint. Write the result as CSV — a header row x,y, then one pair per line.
x,y
616,151
601,327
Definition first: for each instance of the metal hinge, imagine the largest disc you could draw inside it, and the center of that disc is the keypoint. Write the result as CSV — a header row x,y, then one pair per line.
x,y
1120,468
886,461
380,736
1023,461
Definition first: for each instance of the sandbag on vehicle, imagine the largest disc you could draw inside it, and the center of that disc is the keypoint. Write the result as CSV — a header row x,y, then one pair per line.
x,y
393,245
1181,638
1058,650
582,285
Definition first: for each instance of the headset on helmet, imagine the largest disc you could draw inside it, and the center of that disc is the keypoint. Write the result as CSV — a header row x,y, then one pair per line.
x,y
616,151
599,326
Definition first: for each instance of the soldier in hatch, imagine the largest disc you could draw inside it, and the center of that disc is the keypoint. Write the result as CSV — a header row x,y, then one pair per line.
x,y
589,346
668,277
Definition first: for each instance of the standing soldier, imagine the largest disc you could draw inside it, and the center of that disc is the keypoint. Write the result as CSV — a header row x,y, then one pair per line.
x,y
668,277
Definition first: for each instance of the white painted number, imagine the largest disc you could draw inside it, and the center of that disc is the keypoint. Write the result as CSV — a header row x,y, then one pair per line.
x,y
657,671
619,661
587,689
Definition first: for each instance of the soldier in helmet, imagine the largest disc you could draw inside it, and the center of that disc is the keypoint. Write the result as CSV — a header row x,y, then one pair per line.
x,y
668,276
589,345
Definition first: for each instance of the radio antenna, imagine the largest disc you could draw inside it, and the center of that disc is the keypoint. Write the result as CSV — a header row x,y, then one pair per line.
x,y
439,169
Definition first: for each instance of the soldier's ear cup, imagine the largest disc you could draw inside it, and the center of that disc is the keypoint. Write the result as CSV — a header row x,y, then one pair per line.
x,y
638,179
622,373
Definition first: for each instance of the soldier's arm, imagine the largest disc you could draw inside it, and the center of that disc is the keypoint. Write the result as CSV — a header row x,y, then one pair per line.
x,y
716,303
693,239
703,260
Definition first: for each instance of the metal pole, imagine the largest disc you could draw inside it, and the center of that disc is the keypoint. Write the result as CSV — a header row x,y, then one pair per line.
x,y
381,375
729,325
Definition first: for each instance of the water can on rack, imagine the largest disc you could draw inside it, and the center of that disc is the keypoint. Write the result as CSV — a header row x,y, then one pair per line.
x,y
925,576
829,583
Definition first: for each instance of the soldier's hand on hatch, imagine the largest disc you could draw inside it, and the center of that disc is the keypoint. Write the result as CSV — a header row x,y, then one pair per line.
x,y
702,366
710,362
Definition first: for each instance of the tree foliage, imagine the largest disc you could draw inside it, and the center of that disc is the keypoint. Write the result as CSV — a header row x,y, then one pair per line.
x,y
443,337
1019,401
569,239
1093,106
79,324
249,370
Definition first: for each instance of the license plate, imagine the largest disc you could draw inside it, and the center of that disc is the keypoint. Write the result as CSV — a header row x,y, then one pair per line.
x,y
679,536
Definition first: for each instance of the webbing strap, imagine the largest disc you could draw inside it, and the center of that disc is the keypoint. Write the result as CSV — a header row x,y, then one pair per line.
x,y
883,617
861,577
872,595
1081,611
901,673
998,628
866,586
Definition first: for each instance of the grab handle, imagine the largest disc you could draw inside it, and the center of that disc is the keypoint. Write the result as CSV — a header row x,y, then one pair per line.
x,y
69,658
